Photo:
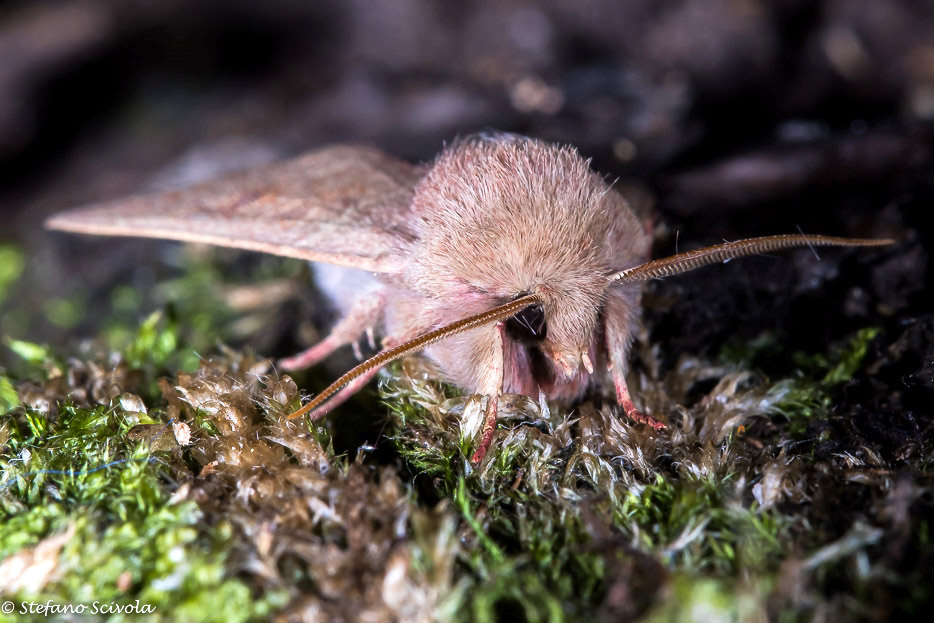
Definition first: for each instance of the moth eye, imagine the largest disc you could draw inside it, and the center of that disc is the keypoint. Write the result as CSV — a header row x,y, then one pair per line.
x,y
528,326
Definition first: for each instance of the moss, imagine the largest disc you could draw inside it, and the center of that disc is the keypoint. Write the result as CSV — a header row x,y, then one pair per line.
x,y
130,541
148,472
70,466
841,362
34,354
699,599
696,525
65,313
9,399
551,526
12,264
810,394
704,502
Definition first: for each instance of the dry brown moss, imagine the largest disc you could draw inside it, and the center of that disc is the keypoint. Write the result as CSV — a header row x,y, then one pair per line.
x,y
344,538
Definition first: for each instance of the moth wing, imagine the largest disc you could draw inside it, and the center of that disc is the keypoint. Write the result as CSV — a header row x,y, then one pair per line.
x,y
344,205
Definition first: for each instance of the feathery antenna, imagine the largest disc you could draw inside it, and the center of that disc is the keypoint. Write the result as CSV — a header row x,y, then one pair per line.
x,y
689,260
396,352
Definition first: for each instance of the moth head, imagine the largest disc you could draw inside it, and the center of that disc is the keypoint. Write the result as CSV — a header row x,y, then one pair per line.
x,y
503,217
563,327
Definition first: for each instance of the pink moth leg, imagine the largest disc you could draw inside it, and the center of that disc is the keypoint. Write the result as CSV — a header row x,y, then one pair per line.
x,y
491,386
364,313
341,397
353,386
618,323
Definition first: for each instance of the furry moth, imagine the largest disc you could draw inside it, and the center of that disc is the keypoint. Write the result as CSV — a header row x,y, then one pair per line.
x,y
513,265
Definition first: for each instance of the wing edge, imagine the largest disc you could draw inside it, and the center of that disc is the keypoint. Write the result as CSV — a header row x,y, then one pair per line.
x,y
67,222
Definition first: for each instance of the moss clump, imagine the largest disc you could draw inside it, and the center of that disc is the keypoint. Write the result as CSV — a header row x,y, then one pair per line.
x,y
149,473
11,268
569,504
810,393
73,470
203,501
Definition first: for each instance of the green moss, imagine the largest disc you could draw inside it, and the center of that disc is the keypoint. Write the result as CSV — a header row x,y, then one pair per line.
x,y
809,394
34,354
78,471
162,556
841,362
526,557
65,313
531,552
532,512
543,537
697,525
9,399
699,599
801,401
11,268
172,563
155,342
426,439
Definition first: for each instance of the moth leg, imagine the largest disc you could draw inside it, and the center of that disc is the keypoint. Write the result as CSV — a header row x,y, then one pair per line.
x,y
364,313
617,330
341,397
353,386
491,386
625,400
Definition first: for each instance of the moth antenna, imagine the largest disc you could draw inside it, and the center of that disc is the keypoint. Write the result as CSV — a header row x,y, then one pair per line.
x,y
689,260
416,344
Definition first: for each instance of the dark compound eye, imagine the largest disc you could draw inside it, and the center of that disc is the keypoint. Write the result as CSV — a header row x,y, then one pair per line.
x,y
528,326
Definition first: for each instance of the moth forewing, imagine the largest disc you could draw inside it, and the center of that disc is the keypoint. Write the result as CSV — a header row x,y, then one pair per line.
x,y
341,205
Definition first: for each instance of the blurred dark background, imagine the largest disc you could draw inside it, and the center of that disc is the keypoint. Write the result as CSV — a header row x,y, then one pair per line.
x,y
729,118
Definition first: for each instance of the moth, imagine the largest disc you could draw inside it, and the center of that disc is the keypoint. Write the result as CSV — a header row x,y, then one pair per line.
x,y
507,260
